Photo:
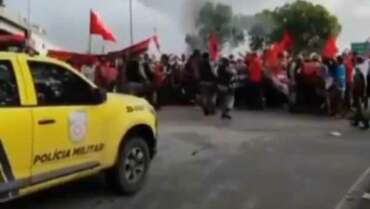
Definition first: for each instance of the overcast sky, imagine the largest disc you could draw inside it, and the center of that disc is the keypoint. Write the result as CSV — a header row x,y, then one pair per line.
x,y
67,21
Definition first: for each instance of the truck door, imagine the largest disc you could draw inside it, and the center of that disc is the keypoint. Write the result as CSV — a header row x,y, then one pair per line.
x,y
15,131
68,125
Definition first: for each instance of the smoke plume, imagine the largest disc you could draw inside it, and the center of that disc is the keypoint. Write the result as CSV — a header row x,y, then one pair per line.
x,y
189,10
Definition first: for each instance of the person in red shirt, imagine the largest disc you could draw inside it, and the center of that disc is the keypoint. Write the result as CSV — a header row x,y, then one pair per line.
x,y
255,80
161,71
106,75
255,69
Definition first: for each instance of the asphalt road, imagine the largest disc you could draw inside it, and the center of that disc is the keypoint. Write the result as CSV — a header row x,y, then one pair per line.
x,y
259,160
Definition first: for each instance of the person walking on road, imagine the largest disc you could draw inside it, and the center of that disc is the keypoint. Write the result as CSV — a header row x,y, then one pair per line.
x,y
340,81
226,87
208,88
359,94
191,77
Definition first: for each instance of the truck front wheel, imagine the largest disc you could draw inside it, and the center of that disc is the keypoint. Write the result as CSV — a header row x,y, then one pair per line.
x,y
129,174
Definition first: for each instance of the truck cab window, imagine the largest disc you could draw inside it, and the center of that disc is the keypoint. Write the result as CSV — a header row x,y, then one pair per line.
x,y
58,86
9,95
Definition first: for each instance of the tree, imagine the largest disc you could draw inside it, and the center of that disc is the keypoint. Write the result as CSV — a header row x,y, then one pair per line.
x,y
216,18
263,25
309,24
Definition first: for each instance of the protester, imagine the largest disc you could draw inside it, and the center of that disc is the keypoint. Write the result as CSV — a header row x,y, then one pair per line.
x,y
103,78
226,88
208,88
359,94
135,77
334,85
340,81
312,84
161,73
107,75
191,76
255,80
294,76
89,71
147,71
349,61
242,88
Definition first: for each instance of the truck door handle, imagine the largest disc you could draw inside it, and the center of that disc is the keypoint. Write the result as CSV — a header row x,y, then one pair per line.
x,y
46,121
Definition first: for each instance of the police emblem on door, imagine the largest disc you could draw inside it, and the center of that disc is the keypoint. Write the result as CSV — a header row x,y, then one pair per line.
x,y
78,126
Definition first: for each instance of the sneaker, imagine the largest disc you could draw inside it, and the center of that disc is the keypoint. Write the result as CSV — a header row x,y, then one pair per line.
x,y
226,116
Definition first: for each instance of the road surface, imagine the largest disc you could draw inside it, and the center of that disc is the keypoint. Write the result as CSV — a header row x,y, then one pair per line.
x,y
259,160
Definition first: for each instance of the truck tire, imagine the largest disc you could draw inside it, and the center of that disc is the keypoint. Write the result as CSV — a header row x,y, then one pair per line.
x,y
129,174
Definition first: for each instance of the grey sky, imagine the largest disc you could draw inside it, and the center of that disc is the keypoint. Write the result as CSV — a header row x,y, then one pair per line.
x,y
67,20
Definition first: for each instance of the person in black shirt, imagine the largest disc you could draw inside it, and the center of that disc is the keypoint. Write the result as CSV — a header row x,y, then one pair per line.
x,y
147,74
136,77
359,96
208,88
191,76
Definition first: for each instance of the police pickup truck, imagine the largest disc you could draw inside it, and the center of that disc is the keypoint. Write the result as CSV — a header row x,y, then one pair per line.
x,y
56,126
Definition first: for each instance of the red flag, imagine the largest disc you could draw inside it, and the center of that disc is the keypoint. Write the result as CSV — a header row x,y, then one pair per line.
x,y
286,42
255,68
331,49
213,46
272,56
98,27
137,48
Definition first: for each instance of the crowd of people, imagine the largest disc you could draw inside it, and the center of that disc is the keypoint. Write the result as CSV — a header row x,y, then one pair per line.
x,y
336,86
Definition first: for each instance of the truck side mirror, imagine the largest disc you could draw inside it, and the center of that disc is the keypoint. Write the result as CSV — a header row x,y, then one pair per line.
x,y
99,96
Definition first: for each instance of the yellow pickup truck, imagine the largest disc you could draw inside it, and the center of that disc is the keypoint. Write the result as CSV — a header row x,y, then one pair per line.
x,y
56,126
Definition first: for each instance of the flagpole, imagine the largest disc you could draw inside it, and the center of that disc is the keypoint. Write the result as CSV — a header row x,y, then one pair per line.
x,y
156,35
29,25
89,47
131,23
90,43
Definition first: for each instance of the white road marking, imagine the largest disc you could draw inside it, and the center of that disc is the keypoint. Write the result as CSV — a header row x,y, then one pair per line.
x,y
355,193
366,196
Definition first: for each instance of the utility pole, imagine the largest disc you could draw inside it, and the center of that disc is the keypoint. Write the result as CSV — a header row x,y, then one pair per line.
x,y
2,4
29,25
131,23
29,10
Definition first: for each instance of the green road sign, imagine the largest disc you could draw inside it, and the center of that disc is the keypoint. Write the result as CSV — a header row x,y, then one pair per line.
x,y
361,48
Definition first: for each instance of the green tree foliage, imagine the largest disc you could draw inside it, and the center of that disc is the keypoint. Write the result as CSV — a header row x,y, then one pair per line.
x,y
217,18
309,24
263,25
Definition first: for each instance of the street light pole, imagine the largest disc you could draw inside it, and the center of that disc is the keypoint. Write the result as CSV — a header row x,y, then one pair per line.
x,y
131,23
